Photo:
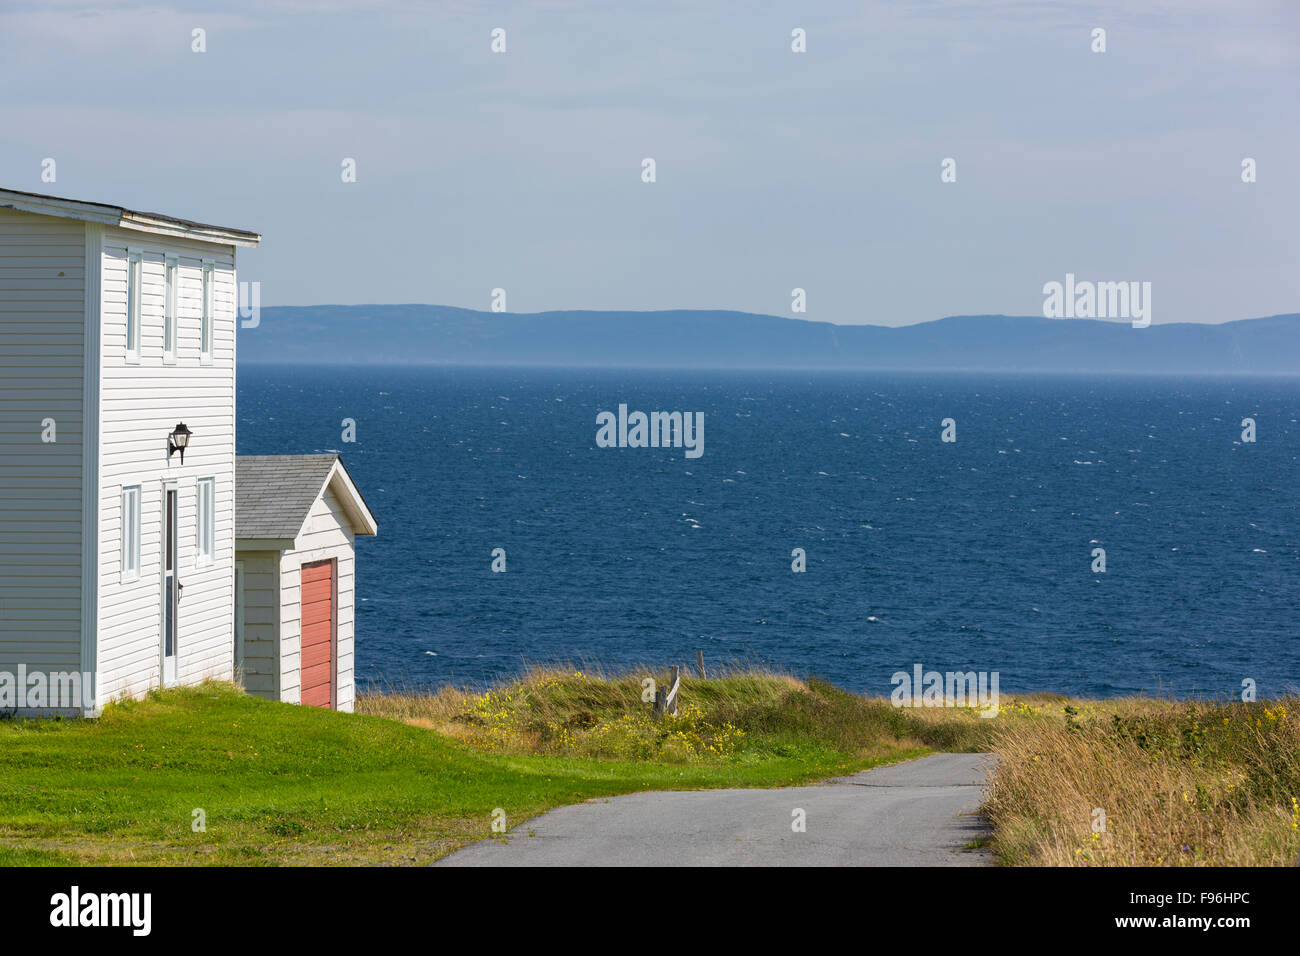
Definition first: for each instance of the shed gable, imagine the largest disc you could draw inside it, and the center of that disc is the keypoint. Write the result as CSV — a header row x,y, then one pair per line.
x,y
276,494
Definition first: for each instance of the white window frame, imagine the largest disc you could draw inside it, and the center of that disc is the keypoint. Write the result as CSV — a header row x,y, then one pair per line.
x,y
129,533
205,520
134,301
171,326
207,327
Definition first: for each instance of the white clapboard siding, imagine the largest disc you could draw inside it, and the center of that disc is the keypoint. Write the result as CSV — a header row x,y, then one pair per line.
x,y
42,339
261,608
139,406
290,627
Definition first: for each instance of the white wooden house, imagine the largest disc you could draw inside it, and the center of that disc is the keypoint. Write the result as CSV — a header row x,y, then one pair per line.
x,y
117,530
297,518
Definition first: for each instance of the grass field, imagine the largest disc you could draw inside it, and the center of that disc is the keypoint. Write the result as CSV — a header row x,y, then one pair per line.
x,y
281,784
410,777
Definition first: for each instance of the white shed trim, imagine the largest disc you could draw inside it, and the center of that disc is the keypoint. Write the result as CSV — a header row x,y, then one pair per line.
x,y
363,522
263,544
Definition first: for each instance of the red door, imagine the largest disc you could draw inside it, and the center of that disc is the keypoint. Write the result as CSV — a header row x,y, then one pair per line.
x,y
318,634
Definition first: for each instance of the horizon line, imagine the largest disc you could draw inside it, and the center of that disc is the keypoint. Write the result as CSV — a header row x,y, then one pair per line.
x,y
789,318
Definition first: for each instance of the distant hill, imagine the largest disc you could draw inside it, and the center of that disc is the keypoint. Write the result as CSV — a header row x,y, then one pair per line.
x,y
418,334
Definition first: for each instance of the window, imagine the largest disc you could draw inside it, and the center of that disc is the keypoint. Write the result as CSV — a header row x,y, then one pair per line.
x,y
205,352
133,277
169,312
205,519
130,537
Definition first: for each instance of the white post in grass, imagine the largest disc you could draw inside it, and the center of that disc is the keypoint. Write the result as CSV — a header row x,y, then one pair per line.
x,y
674,683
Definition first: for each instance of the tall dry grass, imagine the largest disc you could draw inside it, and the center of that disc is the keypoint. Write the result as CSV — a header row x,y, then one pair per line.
x,y
1150,783
738,713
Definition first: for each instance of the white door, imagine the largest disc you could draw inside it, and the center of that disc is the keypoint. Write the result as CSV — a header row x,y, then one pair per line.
x,y
171,588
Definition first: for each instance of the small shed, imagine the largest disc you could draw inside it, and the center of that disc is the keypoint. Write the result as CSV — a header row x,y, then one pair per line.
x,y
297,518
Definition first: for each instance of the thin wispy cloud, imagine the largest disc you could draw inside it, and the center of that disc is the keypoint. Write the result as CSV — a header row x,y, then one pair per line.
x,y
775,170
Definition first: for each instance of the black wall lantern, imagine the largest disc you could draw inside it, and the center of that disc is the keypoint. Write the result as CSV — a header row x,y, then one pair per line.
x,y
178,441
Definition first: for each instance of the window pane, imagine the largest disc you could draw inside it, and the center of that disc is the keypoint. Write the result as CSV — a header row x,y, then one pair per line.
x,y
130,538
207,311
205,522
169,304
132,302
169,623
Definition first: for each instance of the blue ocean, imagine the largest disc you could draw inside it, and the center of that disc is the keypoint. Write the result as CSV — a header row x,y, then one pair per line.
x,y
975,554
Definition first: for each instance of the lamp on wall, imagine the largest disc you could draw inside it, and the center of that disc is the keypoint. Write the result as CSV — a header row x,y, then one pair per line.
x,y
178,441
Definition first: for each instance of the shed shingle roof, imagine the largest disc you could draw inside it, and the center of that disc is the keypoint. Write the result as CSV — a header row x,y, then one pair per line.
x,y
274,493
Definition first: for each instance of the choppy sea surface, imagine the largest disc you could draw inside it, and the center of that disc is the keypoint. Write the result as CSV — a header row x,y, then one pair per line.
x,y
976,554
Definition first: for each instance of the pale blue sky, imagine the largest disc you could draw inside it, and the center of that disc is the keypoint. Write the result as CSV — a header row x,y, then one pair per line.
x,y
775,170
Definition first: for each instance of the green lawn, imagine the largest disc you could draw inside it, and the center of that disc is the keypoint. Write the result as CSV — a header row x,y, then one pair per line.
x,y
282,784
